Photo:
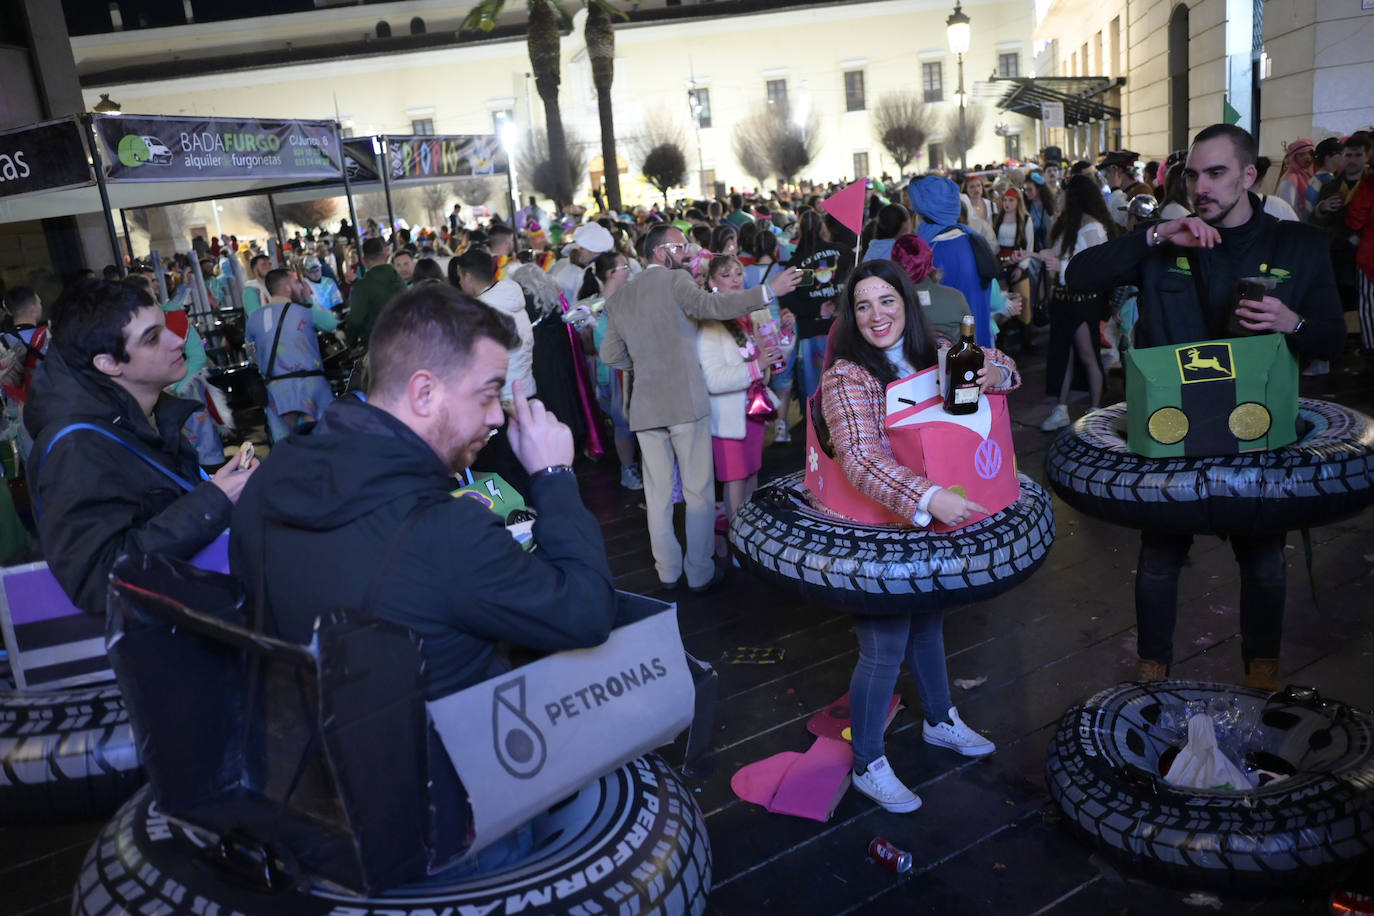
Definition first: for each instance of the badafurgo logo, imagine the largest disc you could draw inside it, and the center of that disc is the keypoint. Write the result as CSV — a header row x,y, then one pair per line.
x,y
519,745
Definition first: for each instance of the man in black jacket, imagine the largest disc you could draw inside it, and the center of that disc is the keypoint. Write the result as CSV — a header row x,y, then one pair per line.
x,y
1188,271
131,484
357,512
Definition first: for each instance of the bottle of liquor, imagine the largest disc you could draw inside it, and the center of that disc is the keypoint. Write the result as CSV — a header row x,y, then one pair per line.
x,y
962,365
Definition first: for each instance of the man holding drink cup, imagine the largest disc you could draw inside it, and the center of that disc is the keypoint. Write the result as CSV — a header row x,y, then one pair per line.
x,y
1229,270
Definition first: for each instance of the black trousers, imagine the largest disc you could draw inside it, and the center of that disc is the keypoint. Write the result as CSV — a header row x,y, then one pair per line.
x,y
1263,582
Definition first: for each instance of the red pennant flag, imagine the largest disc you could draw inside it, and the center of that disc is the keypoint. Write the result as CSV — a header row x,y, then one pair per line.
x,y
847,206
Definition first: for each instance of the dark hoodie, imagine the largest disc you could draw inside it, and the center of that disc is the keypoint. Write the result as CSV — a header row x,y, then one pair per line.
x,y
325,510
98,499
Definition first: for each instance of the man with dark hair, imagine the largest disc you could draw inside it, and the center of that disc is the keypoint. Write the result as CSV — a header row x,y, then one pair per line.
x,y
131,484
477,278
378,286
287,352
1187,271
651,328
737,217
357,512
404,262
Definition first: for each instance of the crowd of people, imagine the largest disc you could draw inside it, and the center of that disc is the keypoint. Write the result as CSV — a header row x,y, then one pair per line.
x,y
693,332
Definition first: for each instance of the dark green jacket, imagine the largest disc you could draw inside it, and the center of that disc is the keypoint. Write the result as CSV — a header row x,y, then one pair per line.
x,y
369,295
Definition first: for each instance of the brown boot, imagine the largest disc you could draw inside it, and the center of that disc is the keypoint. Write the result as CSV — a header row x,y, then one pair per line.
x,y
1147,669
1263,673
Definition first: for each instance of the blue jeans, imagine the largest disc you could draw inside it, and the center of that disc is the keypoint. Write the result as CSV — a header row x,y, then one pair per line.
x,y
809,362
884,642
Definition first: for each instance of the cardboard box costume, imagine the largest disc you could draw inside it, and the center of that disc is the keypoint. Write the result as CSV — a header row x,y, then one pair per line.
x,y
1214,397
971,454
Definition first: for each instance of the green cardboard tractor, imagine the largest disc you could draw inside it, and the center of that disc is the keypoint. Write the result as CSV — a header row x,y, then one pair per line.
x,y
1215,397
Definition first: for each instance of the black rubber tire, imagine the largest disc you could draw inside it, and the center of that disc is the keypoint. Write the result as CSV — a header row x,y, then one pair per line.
x,y
1313,829
67,755
886,569
141,863
1325,476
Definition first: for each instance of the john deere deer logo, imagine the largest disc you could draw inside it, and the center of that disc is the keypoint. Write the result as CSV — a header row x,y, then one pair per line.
x,y
1210,362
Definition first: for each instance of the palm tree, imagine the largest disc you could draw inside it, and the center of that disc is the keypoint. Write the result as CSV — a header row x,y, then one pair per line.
x,y
546,19
600,36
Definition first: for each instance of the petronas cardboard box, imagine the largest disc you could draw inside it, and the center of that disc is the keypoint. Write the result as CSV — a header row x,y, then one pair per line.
x,y
1214,397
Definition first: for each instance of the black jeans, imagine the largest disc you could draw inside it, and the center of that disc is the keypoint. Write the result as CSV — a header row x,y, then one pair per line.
x,y
1263,581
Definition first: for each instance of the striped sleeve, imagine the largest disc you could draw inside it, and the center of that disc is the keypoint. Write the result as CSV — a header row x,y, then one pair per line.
x,y
854,405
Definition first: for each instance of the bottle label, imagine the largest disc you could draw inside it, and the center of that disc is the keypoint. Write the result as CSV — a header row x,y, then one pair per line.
x,y
966,394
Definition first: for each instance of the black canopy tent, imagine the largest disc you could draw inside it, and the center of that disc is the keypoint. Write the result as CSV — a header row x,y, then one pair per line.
x,y
101,163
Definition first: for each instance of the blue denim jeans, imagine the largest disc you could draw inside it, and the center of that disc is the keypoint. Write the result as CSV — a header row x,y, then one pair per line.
x,y
884,642
809,363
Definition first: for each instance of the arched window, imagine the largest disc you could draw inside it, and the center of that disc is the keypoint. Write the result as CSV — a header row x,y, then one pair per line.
x,y
417,26
1178,78
383,29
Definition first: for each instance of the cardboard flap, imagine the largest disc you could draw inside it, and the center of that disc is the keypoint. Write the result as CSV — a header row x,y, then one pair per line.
x,y
529,739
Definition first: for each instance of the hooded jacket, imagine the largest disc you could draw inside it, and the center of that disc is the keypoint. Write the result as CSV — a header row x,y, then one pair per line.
x,y
1189,295
99,500
357,514
968,267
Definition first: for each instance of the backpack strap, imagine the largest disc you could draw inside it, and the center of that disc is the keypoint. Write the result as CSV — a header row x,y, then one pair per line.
x,y
119,440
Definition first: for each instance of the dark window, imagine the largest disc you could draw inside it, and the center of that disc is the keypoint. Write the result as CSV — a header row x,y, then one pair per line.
x,y
499,119
932,81
860,165
699,102
1009,64
854,90
935,154
777,92
1013,146
384,29
422,126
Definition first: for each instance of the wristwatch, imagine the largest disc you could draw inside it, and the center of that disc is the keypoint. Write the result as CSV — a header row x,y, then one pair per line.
x,y
1299,326
551,469
1154,236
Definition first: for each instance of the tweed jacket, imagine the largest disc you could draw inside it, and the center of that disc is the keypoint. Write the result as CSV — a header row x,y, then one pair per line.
x,y
651,329
855,407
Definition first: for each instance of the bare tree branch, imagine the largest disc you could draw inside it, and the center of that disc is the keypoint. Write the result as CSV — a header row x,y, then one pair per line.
x,y
770,142
901,122
536,171
973,116
665,167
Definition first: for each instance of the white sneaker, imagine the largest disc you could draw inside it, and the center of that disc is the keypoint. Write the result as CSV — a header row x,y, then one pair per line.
x,y
1317,367
1058,419
957,736
879,784
780,433
630,479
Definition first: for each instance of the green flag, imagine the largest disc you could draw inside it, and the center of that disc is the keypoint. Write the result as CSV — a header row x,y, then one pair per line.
x,y
1228,114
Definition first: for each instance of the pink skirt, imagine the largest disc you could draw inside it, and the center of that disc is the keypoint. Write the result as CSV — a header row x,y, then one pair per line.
x,y
737,459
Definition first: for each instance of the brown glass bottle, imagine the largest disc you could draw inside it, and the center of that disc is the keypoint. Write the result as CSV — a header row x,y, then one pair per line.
x,y
962,365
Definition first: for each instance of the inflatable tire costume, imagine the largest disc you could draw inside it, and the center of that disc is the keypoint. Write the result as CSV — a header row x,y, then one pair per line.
x,y
143,863
67,755
885,569
1327,475
1312,829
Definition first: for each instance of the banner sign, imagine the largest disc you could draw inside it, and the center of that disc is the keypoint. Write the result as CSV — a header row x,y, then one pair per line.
x,y
43,157
430,158
139,148
528,739
1052,113
360,160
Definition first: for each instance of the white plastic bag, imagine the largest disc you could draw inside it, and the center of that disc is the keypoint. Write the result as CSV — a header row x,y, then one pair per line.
x,y
1202,765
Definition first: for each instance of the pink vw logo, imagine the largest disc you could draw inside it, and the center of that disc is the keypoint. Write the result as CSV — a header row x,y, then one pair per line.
x,y
987,461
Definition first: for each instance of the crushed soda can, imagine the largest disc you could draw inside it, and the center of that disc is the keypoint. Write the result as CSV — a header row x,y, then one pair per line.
x,y
889,856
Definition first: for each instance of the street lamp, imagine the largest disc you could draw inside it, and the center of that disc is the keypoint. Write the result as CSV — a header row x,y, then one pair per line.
x,y
957,31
